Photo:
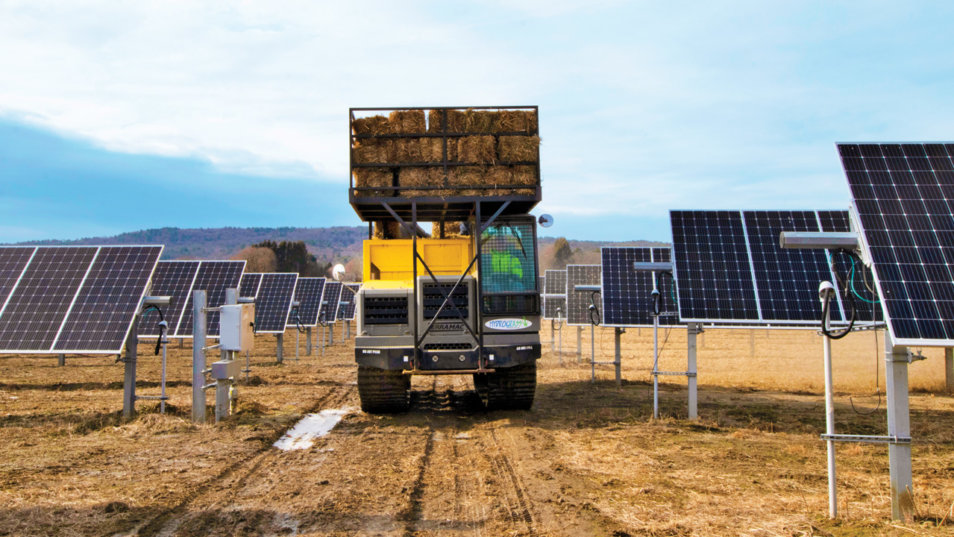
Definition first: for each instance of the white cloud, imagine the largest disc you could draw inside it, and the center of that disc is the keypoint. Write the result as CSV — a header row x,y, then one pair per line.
x,y
644,106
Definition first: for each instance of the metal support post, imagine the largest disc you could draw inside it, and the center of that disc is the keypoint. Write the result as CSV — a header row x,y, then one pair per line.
x,y
579,343
347,325
222,387
198,356
691,331
830,429
655,367
331,334
949,369
181,342
279,350
592,352
560,348
129,373
162,388
618,358
899,426
297,344
61,360
552,334
321,333
308,341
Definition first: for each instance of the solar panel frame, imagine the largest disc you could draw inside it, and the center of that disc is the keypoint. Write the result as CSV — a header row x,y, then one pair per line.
x,y
250,284
66,270
553,294
741,249
626,296
273,302
308,294
902,209
578,301
346,312
328,314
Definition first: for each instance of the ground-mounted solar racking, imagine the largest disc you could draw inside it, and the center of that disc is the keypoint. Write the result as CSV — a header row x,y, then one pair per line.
x,y
330,302
627,294
178,280
902,207
308,295
273,302
554,295
578,302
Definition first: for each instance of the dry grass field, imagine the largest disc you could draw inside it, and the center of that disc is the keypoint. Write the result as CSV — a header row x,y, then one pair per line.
x,y
586,460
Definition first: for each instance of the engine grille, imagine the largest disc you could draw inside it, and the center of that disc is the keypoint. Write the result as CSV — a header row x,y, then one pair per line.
x,y
385,310
433,300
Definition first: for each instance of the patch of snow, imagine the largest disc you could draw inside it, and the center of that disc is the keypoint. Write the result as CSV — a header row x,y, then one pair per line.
x,y
312,426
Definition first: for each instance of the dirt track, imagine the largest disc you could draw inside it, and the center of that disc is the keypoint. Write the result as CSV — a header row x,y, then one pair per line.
x,y
587,460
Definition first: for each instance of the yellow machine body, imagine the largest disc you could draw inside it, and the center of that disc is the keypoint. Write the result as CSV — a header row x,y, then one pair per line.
x,y
390,260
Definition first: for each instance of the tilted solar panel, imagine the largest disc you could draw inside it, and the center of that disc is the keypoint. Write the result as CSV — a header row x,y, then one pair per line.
x,y
71,299
554,307
730,268
173,279
578,302
627,294
251,281
308,292
214,277
555,283
329,303
274,300
904,200
348,303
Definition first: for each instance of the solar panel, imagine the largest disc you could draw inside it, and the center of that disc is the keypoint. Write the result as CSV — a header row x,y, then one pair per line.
x,y
578,302
274,300
904,199
347,304
308,292
251,281
329,303
555,282
554,294
551,305
172,279
627,294
76,298
730,268
101,314
213,277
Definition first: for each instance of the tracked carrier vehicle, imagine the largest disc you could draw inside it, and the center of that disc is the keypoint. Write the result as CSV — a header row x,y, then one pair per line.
x,y
464,298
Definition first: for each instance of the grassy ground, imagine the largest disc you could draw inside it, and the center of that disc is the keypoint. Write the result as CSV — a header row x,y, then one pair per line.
x,y
587,460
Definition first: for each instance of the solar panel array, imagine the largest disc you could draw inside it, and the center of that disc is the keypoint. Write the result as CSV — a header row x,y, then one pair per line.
x,y
578,302
729,267
554,294
904,201
329,303
213,277
627,294
348,303
308,293
178,280
273,301
77,299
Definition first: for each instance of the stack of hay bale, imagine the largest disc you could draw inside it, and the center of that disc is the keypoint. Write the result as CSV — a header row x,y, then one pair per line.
x,y
471,152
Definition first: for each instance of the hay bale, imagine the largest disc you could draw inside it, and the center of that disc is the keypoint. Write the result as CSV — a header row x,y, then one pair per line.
x,y
388,229
456,121
373,151
467,176
422,177
476,149
516,121
525,176
518,148
480,121
373,125
408,150
406,122
451,230
432,149
371,178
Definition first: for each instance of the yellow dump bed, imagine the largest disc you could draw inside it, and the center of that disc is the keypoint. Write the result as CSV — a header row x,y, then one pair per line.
x,y
390,259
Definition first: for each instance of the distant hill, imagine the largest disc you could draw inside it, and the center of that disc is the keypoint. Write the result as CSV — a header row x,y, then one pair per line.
x,y
328,245
331,244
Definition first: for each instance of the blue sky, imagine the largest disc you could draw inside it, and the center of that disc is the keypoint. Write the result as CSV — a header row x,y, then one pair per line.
x,y
122,116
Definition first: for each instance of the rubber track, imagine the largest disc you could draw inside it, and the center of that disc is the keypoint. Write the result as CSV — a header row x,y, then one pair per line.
x,y
512,388
383,391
